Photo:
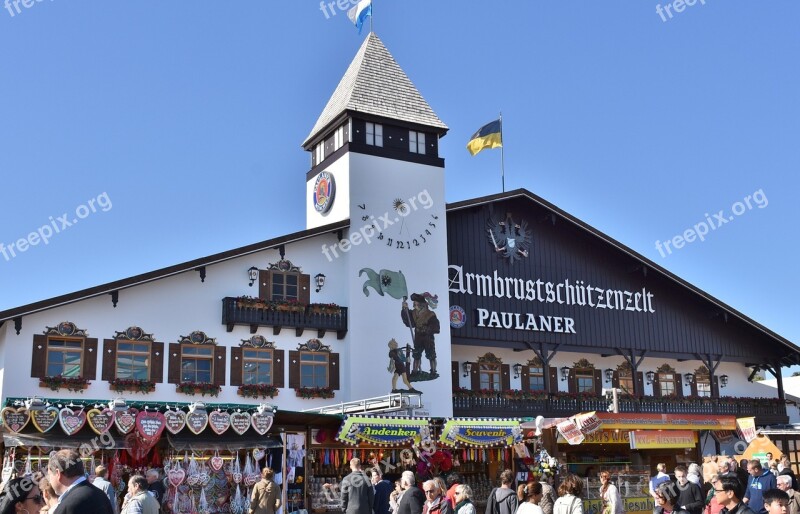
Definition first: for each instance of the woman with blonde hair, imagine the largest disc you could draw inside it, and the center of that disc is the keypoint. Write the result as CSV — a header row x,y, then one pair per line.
x,y
612,501
569,492
464,503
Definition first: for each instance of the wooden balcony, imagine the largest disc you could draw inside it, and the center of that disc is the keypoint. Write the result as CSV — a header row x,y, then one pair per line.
x,y
766,412
234,314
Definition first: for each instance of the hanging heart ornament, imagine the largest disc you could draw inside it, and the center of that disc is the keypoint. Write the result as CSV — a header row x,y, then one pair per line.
x,y
45,419
261,422
175,420
240,422
149,426
197,421
15,419
100,420
71,422
219,421
126,420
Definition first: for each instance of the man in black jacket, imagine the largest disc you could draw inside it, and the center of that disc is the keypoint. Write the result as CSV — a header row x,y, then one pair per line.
x,y
690,497
413,498
728,492
76,495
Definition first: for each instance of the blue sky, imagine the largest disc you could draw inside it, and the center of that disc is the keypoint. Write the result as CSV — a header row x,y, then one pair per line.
x,y
189,116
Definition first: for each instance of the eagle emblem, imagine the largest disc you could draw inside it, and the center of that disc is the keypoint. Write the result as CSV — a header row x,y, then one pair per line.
x,y
510,239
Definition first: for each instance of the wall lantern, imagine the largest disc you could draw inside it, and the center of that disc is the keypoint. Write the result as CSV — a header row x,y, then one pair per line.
x,y
689,378
609,375
517,370
197,406
319,279
118,405
467,367
723,380
565,373
651,377
252,273
35,404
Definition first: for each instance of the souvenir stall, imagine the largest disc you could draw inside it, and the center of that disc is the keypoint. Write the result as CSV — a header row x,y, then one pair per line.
x,y
482,448
394,444
211,455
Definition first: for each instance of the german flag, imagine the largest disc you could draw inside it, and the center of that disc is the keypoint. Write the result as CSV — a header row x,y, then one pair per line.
x,y
488,136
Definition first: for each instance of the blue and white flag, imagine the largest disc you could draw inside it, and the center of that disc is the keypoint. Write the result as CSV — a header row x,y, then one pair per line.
x,y
359,13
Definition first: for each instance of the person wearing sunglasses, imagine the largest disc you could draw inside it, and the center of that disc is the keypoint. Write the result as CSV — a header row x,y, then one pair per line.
x,y
21,496
728,492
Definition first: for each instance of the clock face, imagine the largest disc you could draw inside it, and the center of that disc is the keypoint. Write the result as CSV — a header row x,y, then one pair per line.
x,y
403,225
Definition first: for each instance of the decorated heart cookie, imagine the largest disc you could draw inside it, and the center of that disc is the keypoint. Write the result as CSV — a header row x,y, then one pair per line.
x,y
240,422
71,422
149,426
219,421
126,420
197,421
261,422
100,420
45,419
15,419
175,420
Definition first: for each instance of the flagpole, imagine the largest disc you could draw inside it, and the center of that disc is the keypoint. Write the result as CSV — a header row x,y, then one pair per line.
x,y
371,16
502,156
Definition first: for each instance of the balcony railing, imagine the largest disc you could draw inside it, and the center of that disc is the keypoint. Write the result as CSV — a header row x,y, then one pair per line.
x,y
234,313
767,411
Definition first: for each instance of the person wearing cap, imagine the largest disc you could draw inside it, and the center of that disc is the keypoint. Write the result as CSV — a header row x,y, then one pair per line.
x,y
425,324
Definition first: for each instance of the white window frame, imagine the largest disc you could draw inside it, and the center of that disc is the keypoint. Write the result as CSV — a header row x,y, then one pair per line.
x,y
416,142
374,134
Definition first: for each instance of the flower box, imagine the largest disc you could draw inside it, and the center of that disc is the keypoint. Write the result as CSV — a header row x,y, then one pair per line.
x,y
328,309
198,387
315,392
75,384
136,386
257,391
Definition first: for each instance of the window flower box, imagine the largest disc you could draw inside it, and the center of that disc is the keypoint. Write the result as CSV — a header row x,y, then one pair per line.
x,y
128,384
204,388
257,391
315,392
329,309
75,384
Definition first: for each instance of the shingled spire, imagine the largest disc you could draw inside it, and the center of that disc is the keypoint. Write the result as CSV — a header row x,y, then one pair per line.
x,y
374,84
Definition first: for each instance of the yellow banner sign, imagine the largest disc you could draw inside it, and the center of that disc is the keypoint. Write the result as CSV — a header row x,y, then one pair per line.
x,y
603,437
645,439
643,505
646,421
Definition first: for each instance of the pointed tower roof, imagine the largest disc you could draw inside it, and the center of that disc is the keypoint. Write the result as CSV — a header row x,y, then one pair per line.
x,y
375,84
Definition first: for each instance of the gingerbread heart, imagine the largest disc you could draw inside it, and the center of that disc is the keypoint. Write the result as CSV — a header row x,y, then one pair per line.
x,y
44,420
240,422
219,421
15,419
149,425
71,422
175,420
197,421
216,462
176,476
100,420
126,420
258,453
261,422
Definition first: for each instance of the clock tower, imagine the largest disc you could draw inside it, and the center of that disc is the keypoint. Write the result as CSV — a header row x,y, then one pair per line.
x,y
375,164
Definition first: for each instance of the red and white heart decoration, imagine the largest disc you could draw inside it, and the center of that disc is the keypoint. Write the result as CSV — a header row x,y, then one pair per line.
x,y
216,462
219,421
15,419
45,420
71,422
176,476
197,421
176,420
261,422
240,422
149,426
126,420
100,420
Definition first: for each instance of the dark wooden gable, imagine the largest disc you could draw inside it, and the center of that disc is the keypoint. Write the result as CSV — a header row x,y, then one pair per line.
x,y
684,324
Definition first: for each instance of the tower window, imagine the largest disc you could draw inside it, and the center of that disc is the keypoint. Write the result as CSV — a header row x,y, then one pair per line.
x,y
416,142
338,138
319,152
374,134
